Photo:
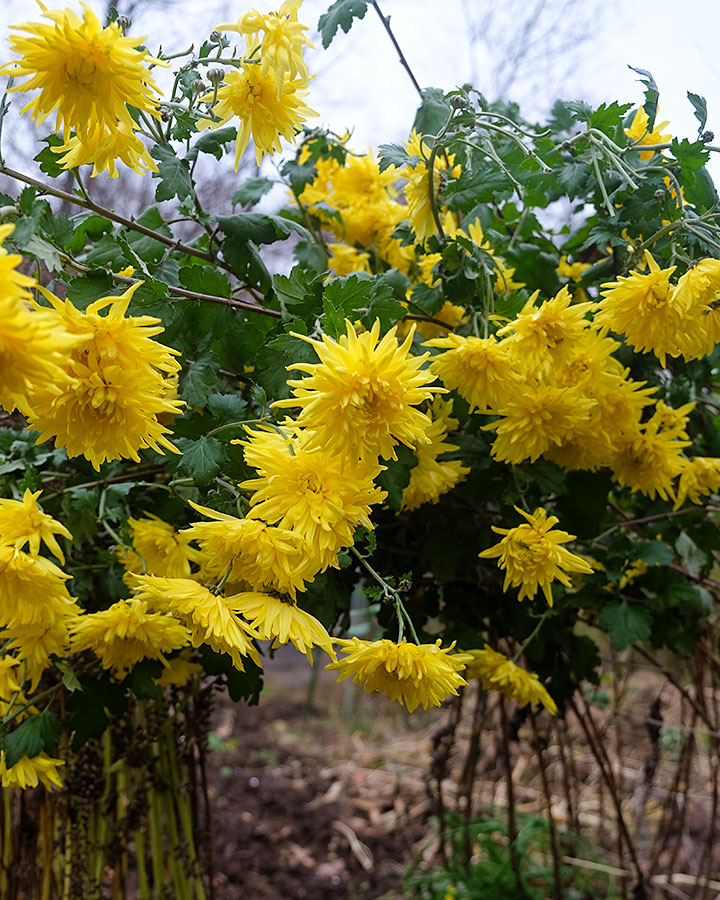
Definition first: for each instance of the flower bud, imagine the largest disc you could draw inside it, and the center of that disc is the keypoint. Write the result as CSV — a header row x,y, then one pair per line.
x,y
215,37
707,137
124,23
215,76
198,86
659,195
458,102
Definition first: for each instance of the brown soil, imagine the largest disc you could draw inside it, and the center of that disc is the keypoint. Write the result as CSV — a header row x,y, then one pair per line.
x,y
325,802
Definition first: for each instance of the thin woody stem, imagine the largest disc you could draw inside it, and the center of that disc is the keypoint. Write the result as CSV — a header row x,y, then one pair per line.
x,y
401,55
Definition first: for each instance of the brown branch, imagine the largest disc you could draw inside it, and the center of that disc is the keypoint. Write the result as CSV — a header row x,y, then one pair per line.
x,y
107,214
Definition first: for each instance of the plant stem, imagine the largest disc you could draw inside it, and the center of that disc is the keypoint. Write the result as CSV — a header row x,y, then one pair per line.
x,y
107,214
401,56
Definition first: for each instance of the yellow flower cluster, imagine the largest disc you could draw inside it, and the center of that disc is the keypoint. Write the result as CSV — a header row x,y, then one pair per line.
x,y
532,557
498,673
35,606
90,77
114,385
267,91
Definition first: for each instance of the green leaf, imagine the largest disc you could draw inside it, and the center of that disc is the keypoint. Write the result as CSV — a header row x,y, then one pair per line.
x,y
299,293
608,117
90,287
626,624
699,105
202,459
141,679
69,678
213,142
653,552
92,707
147,248
260,228
651,95
342,298
205,280
433,112
395,155
578,109
32,736
199,379
80,507
396,476
340,15
174,174
693,557
384,306
48,160
251,191
226,408
45,252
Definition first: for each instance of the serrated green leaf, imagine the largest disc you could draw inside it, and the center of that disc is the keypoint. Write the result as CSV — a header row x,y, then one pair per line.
x,y
653,553
199,378
32,736
396,476
212,142
48,160
202,459
174,174
251,191
651,95
45,252
693,557
342,299
299,293
433,112
147,248
627,624
395,155
69,678
205,280
226,408
260,228
341,14
700,106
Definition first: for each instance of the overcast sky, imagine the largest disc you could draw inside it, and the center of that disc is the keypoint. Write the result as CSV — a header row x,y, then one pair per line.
x,y
360,84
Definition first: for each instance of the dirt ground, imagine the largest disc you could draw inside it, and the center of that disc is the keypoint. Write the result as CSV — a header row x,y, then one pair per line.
x,y
323,801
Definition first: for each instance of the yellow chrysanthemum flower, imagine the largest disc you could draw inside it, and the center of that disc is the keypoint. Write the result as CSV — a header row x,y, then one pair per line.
x,y
22,522
573,271
282,41
344,260
32,590
10,686
281,621
649,311
32,343
417,187
536,417
479,369
498,673
110,410
360,398
638,133
432,477
699,477
86,73
699,290
35,645
262,555
264,115
544,337
179,670
210,617
318,494
102,148
413,674
648,460
532,557
158,549
29,772
126,633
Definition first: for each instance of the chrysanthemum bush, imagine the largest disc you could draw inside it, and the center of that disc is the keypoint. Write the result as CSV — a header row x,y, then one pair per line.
x,y
450,400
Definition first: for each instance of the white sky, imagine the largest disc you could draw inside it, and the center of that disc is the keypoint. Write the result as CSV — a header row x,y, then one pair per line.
x,y
361,86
